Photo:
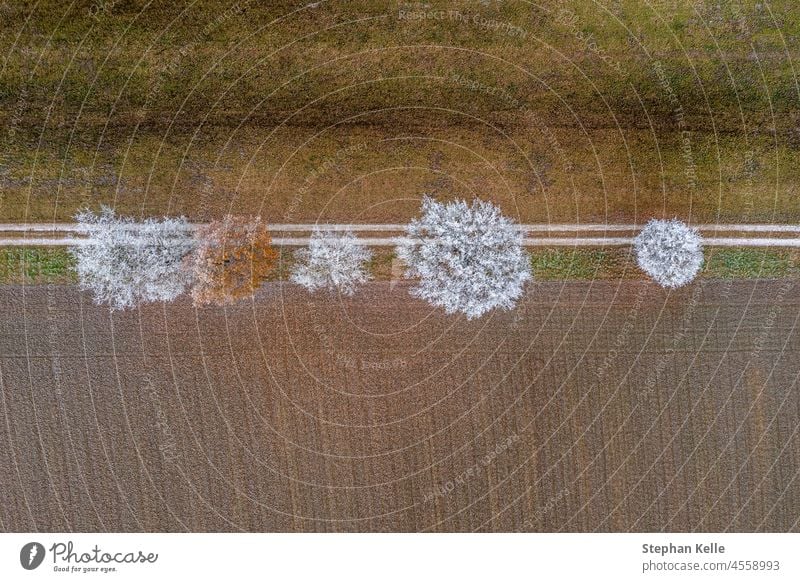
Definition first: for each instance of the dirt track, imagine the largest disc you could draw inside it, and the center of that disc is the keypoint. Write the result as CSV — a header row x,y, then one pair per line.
x,y
386,235
595,406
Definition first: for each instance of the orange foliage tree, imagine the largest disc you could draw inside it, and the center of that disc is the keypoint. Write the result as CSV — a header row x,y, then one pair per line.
x,y
232,258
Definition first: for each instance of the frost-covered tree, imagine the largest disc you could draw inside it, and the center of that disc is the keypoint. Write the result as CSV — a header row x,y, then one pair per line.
x,y
332,261
669,251
125,263
467,259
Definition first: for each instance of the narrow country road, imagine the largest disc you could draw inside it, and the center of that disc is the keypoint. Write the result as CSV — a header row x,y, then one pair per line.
x,y
562,235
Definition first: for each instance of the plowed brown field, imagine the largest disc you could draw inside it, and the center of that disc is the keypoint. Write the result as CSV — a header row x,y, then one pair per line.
x,y
608,406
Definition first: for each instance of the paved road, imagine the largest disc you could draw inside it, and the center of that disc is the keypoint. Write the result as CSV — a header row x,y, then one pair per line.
x,y
607,406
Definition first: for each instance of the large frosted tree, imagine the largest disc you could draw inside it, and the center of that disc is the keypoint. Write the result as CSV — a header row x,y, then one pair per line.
x,y
669,251
125,263
467,259
332,261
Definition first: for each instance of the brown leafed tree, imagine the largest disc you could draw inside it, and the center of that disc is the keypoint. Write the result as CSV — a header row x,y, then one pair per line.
x,y
233,257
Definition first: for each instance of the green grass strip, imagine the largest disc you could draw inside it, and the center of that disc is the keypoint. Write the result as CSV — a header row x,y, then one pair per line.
x,y
747,263
32,265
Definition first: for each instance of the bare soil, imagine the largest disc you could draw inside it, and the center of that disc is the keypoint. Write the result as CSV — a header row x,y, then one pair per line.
x,y
602,405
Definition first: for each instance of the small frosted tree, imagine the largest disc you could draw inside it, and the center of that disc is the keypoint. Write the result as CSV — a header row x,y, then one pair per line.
x,y
467,259
233,257
126,263
332,261
669,251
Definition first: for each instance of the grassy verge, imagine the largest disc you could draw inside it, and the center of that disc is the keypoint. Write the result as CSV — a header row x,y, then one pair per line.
x,y
720,263
56,265
36,266
582,264
741,263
